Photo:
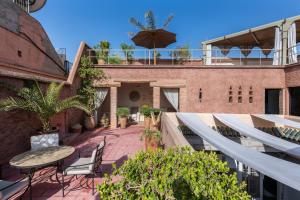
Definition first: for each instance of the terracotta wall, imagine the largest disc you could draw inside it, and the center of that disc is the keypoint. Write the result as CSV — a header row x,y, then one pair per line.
x,y
24,45
214,82
292,75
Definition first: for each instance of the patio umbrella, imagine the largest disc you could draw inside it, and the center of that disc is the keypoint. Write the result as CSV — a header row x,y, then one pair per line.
x,y
151,39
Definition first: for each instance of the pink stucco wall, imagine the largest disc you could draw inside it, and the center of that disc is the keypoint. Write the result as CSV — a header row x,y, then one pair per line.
x,y
214,82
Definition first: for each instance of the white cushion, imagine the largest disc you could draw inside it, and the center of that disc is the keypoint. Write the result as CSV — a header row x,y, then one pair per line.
x,y
92,160
10,191
43,141
79,170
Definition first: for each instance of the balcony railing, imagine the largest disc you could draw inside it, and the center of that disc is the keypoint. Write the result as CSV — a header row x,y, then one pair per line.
x,y
293,54
182,57
24,4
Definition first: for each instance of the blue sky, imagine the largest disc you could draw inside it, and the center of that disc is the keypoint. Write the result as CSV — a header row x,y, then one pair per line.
x,y
195,20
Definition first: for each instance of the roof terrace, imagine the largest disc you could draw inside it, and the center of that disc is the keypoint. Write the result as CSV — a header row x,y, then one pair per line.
x,y
273,44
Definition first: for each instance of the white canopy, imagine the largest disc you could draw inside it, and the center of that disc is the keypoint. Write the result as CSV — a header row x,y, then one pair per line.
x,y
172,95
292,42
283,171
265,138
277,47
278,120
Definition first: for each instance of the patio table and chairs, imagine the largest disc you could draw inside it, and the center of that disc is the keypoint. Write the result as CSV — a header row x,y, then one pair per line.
x,y
31,161
85,166
52,156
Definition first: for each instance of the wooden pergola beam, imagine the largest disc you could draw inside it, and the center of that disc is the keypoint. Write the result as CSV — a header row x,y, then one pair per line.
x,y
254,37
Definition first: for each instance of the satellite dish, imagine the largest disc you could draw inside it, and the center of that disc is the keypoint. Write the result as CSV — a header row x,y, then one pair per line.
x,y
35,5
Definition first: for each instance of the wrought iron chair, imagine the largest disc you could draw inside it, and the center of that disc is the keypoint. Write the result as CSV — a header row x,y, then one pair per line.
x,y
87,167
9,189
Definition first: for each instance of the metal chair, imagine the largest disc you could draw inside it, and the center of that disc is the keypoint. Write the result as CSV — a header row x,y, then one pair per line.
x,y
10,188
87,167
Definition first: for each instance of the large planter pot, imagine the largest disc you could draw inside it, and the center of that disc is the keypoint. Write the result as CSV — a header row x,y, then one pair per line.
x,y
89,122
151,143
123,122
77,128
44,140
147,121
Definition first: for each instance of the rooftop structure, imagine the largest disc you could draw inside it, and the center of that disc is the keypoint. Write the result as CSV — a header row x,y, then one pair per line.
x,y
250,82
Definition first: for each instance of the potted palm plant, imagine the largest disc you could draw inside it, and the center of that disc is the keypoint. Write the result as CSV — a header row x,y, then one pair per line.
x,y
128,51
122,114
152,139
44,104
103,49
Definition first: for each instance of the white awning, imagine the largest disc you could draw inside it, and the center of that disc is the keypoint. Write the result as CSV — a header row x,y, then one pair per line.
x,y
278,120
233,122
283,171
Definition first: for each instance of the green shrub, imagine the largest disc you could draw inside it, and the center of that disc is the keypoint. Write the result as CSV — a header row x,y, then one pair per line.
x,y
114,60
151,134
145,110
156,111
123,112
173,174
103,50
88,73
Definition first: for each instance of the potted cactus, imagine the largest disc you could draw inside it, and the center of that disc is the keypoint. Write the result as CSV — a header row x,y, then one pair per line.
x,y
152,139
123,113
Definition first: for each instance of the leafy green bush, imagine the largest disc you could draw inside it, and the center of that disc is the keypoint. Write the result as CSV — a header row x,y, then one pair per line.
x,y
128,51
181,53
173,174
114,60
156,111
123,112
88,73
151,134
145,110
103,50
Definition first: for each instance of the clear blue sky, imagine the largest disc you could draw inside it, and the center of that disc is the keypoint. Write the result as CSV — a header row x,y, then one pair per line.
x,y
68,22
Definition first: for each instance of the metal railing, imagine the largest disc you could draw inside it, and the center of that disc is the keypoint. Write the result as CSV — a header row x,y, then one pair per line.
x,y
182,57
293,54
24,4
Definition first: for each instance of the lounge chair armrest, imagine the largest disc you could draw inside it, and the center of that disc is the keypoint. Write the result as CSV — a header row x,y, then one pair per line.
x,y
80,153
14,183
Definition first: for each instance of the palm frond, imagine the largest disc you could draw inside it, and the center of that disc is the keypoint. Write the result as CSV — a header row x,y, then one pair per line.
x,y
168,20
72,102
150,19
45,106
53,93
136,23
11,103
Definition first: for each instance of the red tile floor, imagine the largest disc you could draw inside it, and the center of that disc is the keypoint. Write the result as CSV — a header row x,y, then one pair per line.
x,y
121,144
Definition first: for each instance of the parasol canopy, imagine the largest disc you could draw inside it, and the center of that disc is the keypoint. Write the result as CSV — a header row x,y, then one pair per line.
x,y
151,39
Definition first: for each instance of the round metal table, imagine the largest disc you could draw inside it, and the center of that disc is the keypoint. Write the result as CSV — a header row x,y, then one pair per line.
x,y
33,160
